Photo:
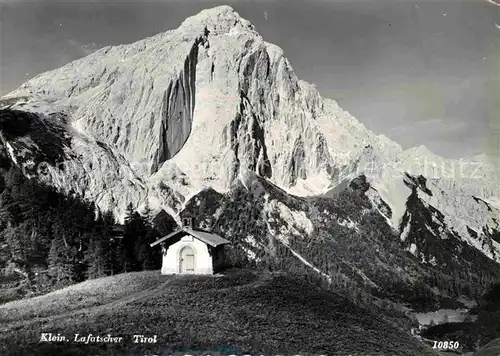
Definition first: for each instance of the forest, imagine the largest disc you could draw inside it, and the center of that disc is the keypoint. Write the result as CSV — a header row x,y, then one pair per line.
x,y
49,240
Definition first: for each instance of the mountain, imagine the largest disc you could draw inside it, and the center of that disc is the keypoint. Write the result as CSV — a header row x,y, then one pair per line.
x,y
212,111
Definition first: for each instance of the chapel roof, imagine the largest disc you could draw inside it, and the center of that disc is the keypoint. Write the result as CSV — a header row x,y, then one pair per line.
x,y
207,237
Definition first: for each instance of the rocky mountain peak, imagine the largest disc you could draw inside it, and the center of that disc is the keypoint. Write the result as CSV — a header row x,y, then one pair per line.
x,y
218,20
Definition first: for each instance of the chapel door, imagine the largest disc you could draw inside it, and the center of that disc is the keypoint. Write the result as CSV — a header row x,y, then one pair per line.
x,y
187,260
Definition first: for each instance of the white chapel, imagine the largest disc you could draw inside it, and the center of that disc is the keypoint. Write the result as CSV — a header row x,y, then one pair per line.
x,y
191,251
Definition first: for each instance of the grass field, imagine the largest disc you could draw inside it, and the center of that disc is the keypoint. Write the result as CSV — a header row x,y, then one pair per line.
x,y
241,311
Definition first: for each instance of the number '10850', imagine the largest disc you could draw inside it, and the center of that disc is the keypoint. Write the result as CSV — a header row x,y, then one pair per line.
x,y
445,345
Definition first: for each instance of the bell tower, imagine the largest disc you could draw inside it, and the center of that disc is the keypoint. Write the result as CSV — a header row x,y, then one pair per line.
x,y
187,221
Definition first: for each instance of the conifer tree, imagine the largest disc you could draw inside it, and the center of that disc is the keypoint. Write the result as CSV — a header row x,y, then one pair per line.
x,y
105,227
16,244
147,213
134,229
96,259
146,257
116,256
60,263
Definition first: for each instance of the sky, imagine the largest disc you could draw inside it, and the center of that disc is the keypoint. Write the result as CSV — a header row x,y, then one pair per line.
x,y
422,73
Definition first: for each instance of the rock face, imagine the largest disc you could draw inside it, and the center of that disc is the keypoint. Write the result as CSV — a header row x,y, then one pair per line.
x,y
202,105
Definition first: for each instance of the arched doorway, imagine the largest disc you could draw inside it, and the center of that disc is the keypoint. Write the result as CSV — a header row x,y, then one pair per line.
x,y
186,260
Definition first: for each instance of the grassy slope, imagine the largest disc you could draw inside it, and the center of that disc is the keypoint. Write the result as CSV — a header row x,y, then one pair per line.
x,y
491,349
251,313
90,293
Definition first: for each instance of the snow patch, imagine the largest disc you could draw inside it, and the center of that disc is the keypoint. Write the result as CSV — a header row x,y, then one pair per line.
x,y
313,185
376,200
78,125
394,193
11,152
406,230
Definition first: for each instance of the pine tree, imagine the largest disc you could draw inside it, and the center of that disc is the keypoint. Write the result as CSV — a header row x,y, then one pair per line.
x,y
96,259
108,220
88,216
146,257
148,213
129,212
143,237
60,264
36,246
116,256
16,244
135,229
106,225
